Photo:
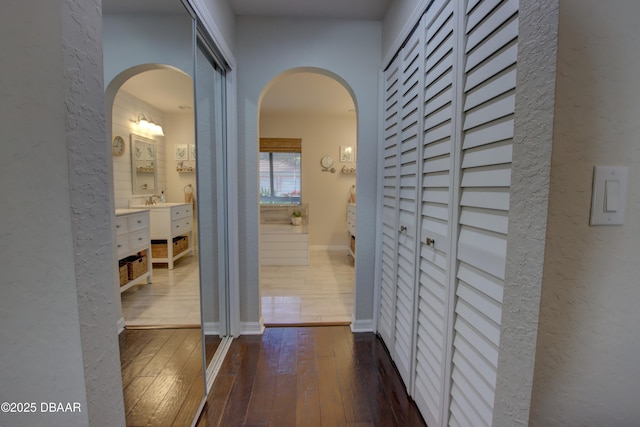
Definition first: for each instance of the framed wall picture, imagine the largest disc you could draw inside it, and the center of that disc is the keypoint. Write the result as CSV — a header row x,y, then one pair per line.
x,y
192,151
347,154
150,152
182,152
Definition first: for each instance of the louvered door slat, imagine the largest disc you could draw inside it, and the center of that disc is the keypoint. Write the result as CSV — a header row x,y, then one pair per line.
x,y
498,63
498,153
496,131
497,41
496,87
491,19
485,179
474,18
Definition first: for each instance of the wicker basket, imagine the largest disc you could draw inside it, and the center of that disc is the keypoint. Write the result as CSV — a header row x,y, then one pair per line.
x,y
159,249
182,244
177,245
138,265
124,273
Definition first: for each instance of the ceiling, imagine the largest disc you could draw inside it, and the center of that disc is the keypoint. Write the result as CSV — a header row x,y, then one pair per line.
x,y
308,93
142,6
336,9
167,90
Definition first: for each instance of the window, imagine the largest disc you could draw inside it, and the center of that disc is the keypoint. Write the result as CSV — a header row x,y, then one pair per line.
x,y
280,175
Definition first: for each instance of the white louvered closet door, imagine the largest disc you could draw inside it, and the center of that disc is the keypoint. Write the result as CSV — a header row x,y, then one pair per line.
x,y
490,55
449,117
410,133
437,193
389,238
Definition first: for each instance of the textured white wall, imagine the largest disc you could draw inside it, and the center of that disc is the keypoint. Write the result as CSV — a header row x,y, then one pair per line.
x,y
267,48
131,40
397,22
219,15
587,370
528,205
326,194
58,332
179,129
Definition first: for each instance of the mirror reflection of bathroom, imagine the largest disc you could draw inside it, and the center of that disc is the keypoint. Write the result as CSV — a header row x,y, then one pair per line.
x,y
160,298
308,131
150,177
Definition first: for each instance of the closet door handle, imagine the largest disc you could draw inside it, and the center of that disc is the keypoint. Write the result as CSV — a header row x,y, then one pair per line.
x,y
403,228
430,242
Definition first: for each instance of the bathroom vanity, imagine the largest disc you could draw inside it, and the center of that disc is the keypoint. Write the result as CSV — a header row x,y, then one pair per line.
x,y
351,228
171,231
134,247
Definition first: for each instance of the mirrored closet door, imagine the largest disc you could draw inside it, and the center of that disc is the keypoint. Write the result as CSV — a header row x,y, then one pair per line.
x,y
212,184
148,39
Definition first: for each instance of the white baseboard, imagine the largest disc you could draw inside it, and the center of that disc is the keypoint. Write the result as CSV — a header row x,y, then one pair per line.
x,y
327,248
211,328
362,325
251,328
120,324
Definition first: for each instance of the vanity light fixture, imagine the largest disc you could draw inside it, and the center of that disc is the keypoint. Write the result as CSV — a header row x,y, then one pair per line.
x,y
149,125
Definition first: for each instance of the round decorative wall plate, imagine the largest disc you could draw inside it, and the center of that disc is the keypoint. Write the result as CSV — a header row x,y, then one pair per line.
x,y
326,162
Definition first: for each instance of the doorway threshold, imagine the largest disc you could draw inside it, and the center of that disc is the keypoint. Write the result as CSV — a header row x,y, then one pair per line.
x,y
304,324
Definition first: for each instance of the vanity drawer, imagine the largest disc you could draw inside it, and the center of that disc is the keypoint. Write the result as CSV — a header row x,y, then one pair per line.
x,y
121,225
139,239
351,218
181,226
179,212
138,222
123,247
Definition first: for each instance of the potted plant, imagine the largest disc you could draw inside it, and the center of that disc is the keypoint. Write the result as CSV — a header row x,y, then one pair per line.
x,y
296,217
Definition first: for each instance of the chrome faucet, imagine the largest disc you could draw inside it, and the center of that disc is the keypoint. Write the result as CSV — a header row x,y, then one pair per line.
x,y
151,200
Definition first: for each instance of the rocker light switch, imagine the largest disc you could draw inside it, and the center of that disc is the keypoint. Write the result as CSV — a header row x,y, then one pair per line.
x,y
609,195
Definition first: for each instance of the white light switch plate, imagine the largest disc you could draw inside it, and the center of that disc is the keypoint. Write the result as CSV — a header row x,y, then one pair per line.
x,y
609,197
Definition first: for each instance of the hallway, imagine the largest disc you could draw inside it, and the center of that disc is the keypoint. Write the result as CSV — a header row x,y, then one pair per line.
x,y
308,376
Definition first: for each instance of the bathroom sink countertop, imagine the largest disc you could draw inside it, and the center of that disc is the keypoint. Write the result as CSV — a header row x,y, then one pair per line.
x,y
124,211
158,205
284,228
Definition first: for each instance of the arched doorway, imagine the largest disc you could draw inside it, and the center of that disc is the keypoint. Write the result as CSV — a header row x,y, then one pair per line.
x,y
316,108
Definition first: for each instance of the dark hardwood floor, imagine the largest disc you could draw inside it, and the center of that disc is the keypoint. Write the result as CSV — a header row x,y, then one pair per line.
x,y
162,375
308,376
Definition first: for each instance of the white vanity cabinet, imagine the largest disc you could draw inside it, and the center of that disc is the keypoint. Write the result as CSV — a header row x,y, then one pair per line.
x,y
169,224
133,240
351,228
